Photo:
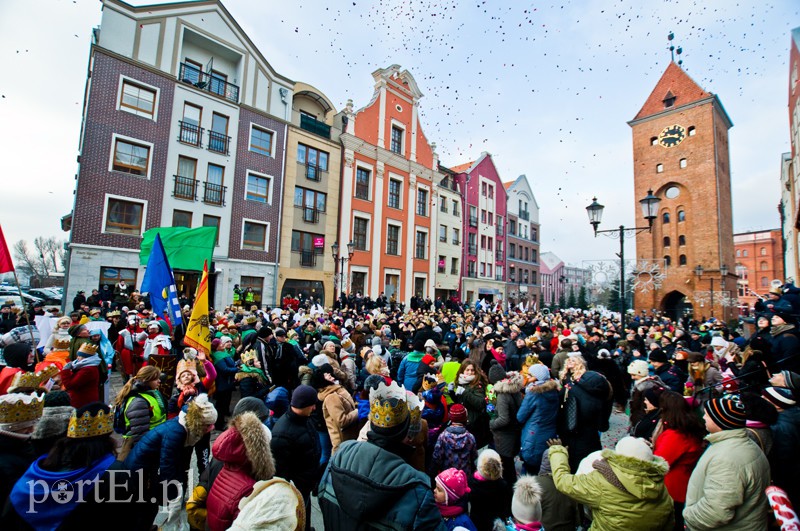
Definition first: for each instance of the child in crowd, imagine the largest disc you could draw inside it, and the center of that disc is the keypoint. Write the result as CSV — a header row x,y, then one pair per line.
x,y
490,494
456,447
450,495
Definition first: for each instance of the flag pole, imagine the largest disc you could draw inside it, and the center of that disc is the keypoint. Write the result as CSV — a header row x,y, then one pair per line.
x,y
28,321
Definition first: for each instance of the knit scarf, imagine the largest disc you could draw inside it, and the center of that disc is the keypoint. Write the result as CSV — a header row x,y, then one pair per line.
x,y
36,484
780,329
449,511
220,354
253,370
89,361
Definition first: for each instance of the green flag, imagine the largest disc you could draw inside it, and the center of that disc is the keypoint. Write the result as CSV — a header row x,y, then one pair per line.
x,y
186,248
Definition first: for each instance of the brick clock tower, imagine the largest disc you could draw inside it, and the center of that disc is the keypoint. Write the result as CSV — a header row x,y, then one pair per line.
x,y
680,151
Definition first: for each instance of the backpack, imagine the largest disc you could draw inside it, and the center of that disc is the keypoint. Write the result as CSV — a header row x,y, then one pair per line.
x,y
119,419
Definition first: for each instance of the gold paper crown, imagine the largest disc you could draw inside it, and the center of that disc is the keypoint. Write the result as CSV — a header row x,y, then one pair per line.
x,y
61,344
88,348
90,426
18,407
186,365
414,408
388,407
248,356
33,379
250,319
115,313
395,343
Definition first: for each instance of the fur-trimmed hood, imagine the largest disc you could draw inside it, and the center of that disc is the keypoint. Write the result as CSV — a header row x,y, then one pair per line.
x,y
642,479
549,385
512,383
305,370
246,443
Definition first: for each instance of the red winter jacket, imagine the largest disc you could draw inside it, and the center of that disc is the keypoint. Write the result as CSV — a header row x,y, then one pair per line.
x,y
83,385
682,452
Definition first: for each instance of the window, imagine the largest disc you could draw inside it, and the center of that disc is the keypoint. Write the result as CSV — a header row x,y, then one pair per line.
x,y
483,189
255,284
512,250
764,282
190,131
303,243
745,253
422,245
214,191
654,141
692,131
488,270
257,188
682,260
483,241
442,264
392,285
397,140
181,218
362,183
534,255
254,236
659,168
491,192
512,227
456,236
489,243
665,217
667,260
483,269
137,99
124,217
212,221
490,218
534,234
218,139
261,141
394,194
130,157
311,201
763,251
360,227
473,216
471,245
185,181
666,241
315,161
738,253
483,216
526,253
681,215
683,163
443,205
454,266
455,207
359,281
112,275
681,240
443,233
422,202
471,269
764,266
393,240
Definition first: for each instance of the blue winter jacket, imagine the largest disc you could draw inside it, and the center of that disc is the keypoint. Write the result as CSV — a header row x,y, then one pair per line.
x,y
538,416
226,373
161,449
407,373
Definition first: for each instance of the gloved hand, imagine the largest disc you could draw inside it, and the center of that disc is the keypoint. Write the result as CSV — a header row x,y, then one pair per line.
x,y
459,390
68,366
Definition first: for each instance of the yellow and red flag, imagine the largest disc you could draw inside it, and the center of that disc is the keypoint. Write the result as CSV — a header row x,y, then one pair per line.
x,y
198,334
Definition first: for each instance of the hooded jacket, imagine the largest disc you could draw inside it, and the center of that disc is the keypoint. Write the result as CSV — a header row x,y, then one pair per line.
x,y
295,446
399,497
244,449
538,414
505,427
726,489
623,492
340,414
407,372
455,448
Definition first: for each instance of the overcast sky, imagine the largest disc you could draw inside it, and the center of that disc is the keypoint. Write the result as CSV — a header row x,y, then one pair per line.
x,y
545,87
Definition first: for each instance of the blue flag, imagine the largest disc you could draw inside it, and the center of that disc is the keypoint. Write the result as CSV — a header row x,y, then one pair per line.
x,y
159,282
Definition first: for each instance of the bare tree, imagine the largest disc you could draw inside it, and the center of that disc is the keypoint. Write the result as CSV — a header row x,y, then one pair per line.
x,y
53,250
40,246
27,262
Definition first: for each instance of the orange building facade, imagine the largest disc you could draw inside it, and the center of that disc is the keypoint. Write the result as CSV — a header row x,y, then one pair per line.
x,y
759,261
389,172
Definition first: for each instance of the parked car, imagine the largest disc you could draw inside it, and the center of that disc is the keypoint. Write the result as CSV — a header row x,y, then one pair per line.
x,y
49,296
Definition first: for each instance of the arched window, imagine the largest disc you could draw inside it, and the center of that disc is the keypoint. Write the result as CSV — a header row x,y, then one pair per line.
x,y
738,253
654,141
681,240
682,259
744,253
681,215
764,266
659,168
764,282
683,163
667,260
666,241
665,217
763,251
692,131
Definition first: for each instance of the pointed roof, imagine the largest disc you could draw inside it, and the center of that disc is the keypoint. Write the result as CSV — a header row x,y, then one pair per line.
x,y
461,168
674,82
509,184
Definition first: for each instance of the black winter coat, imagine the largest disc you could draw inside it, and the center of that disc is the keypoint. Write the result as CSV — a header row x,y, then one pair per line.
x,y
295,447
785,351
593,395
489,500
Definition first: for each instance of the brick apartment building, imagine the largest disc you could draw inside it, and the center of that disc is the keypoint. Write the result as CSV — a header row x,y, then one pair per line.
x,y
522,244
759,261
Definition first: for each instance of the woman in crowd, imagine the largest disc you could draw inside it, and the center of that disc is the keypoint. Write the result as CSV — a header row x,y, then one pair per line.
x,y
142,406
222,353
469,390
338,407
538,414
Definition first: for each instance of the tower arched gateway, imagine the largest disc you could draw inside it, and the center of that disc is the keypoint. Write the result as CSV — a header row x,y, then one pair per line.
x,y
676,305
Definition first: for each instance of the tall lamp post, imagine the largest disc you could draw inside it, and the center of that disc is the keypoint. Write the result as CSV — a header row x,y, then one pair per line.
x,y
723,271
649,205
342,259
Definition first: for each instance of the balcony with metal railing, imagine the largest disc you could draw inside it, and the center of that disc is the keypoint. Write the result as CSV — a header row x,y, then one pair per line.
x,y
208,82
310,214
219,142
190,134
311,171
525,215
214,194
184,188
312,125
498,276
473,221
498,256
308,258
499,229
472,274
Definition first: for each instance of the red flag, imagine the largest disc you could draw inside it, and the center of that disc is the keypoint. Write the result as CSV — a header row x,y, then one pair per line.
x,y
6,265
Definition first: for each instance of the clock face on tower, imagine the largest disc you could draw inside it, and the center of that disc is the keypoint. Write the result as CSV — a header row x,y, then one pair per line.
x,y
671,136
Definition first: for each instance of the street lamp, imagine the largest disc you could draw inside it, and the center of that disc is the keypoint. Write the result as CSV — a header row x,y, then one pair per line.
x,y
649,206
342,260
723,271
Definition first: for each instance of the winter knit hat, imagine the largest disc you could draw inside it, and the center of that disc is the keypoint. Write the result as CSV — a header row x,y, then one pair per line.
x,y
540,372
638,368
458,413
427,359
207,411
454,484
653,394
526,505
726,413
718,341
634,447
54,420
489,465
779,397
252,404
304,396
496,372
658,355
215,344
319,360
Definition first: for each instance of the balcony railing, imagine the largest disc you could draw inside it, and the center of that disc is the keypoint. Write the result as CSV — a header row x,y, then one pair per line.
x,y
208,82
310,214
498,255
455,241
472,250
214,194
308,258
473,221
185,188
443,239
454,270
499,229
190,133
312,125
312,172
218,142
472,274
525,215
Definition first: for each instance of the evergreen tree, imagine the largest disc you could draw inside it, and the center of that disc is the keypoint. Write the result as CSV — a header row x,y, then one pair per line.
x,y
571,302
562,301
613,295
582,302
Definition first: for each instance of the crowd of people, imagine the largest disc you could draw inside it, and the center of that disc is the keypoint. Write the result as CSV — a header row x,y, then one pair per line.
x,y
439,417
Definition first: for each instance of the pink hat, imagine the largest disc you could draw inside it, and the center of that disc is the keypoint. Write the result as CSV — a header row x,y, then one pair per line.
x,y
454,484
